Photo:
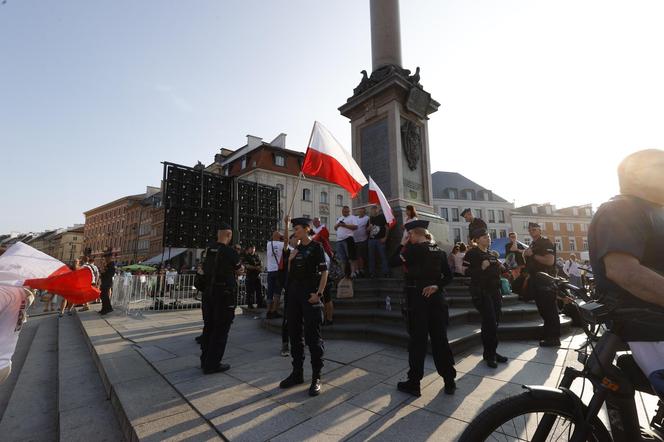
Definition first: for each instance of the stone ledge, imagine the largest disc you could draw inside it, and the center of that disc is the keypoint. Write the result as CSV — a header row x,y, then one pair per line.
x,y
147,406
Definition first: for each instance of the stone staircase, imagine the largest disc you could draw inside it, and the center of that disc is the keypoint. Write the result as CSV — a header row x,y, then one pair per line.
x,y
54,391
365,316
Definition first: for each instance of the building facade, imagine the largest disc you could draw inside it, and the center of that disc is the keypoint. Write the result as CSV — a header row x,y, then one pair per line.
x,y
567,228
123,226
67,245
275,165
453,192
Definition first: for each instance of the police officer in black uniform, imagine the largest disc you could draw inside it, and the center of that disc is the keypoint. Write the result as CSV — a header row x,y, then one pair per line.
x,y
307,277
426,274
474,223
221,265
540,256
484,270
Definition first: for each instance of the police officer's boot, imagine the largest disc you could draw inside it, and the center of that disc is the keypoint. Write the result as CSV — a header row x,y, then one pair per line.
x,y
314,389
410,387
295,378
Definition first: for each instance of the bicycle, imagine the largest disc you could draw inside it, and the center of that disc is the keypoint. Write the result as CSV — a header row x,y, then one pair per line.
x,y
558,414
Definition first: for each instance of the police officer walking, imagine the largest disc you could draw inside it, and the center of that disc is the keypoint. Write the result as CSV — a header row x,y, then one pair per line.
x,y
484,271
219,297
474,223
307,277
426,274
541,257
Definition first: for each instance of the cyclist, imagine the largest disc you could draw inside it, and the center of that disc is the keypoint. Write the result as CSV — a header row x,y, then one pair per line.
x,y
626,241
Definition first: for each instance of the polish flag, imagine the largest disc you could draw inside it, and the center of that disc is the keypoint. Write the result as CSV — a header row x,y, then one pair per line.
x,y
376,196
327,159
24,266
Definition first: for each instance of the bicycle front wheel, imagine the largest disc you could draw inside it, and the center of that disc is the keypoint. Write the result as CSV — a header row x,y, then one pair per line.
x,y
547,417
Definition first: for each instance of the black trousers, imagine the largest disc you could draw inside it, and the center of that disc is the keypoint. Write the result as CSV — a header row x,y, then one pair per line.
x,y
301,314
488,303
218,317
254,292
548,309
428,318
106,299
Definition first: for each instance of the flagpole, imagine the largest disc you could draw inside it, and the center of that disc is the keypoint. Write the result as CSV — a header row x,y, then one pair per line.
x,y
301,175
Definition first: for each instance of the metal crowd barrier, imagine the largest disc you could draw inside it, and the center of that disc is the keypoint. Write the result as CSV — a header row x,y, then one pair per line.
x,y
135,294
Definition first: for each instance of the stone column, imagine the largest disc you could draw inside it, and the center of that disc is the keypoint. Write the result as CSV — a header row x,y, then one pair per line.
x,y
385,33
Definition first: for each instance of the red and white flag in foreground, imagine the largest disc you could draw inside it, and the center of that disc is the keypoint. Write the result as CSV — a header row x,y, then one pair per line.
x,y
327,159
24,266
376,196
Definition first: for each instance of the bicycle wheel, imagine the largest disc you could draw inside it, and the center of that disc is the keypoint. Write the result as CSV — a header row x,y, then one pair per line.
x,y
517,418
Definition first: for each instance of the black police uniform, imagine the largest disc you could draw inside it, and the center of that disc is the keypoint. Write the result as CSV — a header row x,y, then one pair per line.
x,y
544,297
303,280
485,293
252,280
219,299
426,265
106,286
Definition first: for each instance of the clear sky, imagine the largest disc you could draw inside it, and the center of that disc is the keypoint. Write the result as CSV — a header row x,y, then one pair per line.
x,y
539,100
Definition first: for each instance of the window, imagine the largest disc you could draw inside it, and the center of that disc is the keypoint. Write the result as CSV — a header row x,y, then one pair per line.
x,y
492,216
534,209
323,220
527,240
340,200
559,244
525,225
243,163
478,213
455,214
468,194
280,160
323,198
556,227
589,212
584,227
572,245
485,194
501,216
226,170
444,213
457,234
503,233
452,194
570,227
492,233
306,194
585,244
74,238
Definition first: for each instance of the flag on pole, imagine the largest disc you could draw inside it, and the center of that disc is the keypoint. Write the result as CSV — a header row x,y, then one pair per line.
x,y
327,159
24,266
376,196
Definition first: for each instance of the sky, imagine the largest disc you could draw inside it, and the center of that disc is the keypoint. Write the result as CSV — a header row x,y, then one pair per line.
x,y
539,100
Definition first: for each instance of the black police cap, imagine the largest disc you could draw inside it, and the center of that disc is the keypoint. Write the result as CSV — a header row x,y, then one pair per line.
x,y
304,222
478,232
465,211
224,226
417,223
532,225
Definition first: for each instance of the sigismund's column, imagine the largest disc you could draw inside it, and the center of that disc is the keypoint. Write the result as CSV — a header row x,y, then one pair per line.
x,y
388,112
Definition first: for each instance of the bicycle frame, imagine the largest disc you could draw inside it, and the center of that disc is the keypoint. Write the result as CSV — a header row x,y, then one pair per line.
x,y
610,386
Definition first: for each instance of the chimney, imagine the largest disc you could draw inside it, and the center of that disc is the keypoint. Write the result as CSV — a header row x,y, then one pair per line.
x,y
253,142
279,141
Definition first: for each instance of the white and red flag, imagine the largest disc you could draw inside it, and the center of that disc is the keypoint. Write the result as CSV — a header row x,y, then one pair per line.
x,y
376,196
24,266
327,159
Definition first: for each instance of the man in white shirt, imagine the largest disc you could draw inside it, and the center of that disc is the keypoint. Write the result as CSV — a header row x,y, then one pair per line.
x,y
571,267
361,237
345,227
274,252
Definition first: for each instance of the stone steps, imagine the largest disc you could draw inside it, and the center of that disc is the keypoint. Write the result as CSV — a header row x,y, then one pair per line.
x,y
462,337
84,409
31,413
378,302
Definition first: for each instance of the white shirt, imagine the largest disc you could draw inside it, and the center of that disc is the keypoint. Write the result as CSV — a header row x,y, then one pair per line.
x,y
12,303
274,251
361,233
343,232
572,268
